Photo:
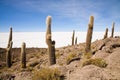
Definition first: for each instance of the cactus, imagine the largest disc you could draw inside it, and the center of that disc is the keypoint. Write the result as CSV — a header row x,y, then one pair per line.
x,y
48,32
73,37
8,55
76,41
10,37
112,34
106,33
23,55
53,53
89,35
50,43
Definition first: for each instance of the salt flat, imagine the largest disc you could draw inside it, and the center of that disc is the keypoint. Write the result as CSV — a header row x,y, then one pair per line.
x,y
37,39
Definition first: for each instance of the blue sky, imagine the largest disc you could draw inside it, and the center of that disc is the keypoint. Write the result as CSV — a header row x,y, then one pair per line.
x,y
67,15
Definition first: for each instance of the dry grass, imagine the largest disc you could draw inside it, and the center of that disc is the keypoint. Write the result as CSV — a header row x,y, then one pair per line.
x,y
70,56
88,55
47,74
97,62
57,55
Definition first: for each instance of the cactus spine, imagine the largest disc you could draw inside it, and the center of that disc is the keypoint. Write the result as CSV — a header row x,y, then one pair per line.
x,y
23,55
50,43
73,37
10,37
76,40
106,33
8,55
89,34
112,34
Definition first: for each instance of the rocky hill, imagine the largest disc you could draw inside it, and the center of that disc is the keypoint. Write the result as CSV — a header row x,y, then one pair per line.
x,y
72,63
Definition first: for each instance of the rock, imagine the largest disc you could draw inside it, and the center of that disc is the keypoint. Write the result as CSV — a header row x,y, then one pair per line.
x,y
74,59
100,54
107,49
89,72
6,76
23,76
117,36
92,72
62,69
2,64
33,63
114,59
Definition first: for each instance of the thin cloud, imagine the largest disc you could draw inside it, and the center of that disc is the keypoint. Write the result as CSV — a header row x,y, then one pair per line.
x,y
69,8
105,11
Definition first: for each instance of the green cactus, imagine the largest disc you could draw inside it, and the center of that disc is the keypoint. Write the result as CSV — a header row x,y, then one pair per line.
x,y
10,37
106,33
73,37
23,55
112,34
8,55
50,43
89,34
76,41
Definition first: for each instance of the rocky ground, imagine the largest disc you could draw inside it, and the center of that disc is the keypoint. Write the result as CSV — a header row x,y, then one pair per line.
x,y
70,60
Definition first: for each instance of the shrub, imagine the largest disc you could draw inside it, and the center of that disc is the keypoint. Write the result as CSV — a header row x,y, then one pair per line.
x,y
58,55
88,55
70,56
47,74
97,62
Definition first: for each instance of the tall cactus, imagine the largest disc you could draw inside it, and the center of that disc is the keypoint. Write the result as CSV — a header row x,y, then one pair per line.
x,y
53,53
76,40
89,34
112,33
49,42
73,35
23,55
106,33
48,32
8,55
10,37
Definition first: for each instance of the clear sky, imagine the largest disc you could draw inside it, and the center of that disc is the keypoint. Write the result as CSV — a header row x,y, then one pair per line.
x,y
67,15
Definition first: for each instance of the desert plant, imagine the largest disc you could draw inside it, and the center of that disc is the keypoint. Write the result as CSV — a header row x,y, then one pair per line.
x,y
70,56
76,40
53,52
106,33
97,62
57,55
8,55
10,37
89,35
88,55
50,43
47,74
112,33
73,37
23,55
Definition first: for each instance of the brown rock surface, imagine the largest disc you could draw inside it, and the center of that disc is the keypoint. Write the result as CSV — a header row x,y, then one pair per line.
x,y
107,49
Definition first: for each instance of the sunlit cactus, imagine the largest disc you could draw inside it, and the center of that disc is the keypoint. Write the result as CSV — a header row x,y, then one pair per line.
x,y
73,35
8,55
48,32
112,33
23,55
50,43
89,34
106,33
10,37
